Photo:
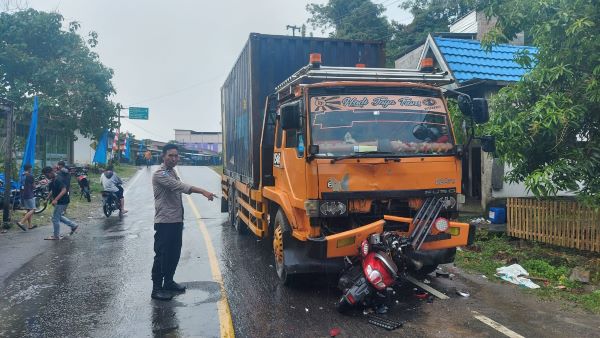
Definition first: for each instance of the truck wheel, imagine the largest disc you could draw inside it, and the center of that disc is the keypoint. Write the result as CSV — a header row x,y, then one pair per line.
x,y
231,206
234,220
282,226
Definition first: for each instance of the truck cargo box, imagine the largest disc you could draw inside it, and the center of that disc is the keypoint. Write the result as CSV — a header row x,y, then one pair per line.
x,y
265,62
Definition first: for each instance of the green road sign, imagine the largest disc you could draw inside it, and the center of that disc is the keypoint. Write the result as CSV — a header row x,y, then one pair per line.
x,y
138,113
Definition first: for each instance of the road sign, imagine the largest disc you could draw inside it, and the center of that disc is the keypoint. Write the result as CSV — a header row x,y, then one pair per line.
x,y
138,113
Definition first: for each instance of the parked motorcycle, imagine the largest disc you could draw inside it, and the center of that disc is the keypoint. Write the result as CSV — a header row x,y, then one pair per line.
x,y
84,183
385,259
110,203
40,192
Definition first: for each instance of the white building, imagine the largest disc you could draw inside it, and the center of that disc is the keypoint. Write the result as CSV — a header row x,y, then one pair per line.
x,y
204,141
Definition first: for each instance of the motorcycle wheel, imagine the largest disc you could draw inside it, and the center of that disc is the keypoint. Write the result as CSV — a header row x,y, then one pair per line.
x,y
342,306
40,204
86,193
282,226
107,210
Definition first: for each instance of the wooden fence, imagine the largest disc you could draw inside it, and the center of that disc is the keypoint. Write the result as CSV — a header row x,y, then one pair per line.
x,y
562,222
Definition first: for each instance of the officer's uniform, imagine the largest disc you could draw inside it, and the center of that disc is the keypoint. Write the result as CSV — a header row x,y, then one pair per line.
x,y
168,223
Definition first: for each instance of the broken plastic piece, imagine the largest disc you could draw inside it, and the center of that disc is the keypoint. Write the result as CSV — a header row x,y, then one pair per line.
x,y
462,293
421,295
334,332
440,273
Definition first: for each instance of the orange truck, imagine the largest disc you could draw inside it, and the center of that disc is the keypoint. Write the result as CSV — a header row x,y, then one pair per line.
x,y
322,147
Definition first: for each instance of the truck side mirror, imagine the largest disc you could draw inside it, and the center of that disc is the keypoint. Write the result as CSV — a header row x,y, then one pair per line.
x,y
488,144
290,116
464,104
481,113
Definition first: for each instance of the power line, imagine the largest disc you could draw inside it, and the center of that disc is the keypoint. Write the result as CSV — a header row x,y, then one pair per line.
x,y
177,91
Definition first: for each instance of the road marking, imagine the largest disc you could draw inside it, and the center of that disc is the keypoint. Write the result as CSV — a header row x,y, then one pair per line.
x,y
497,326
225,322
133,180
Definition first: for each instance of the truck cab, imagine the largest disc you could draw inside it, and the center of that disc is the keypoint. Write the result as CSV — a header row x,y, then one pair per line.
x,y
351,151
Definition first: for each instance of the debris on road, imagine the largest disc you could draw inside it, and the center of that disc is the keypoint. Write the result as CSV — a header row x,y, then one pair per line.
x,y
463,293
440,273
334,332
514,274
421,295
385,323
426,288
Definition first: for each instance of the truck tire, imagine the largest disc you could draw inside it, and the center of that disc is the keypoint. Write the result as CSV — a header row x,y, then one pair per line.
x,y
282,227
234,220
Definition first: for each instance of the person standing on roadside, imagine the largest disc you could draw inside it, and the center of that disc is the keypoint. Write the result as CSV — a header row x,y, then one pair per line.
x,y
63,172
168,223
60,201
27,198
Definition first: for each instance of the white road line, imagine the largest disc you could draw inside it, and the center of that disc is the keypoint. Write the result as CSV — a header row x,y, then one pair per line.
x,y
495,325
133,180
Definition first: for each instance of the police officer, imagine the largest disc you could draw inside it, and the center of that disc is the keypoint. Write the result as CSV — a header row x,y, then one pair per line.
x,y
168,223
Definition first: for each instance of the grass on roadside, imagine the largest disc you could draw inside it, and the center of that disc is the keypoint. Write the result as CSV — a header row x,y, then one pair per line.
x,y
549,266
217,168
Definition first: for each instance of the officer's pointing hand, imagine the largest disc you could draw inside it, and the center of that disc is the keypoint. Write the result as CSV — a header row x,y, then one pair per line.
x,y
209,195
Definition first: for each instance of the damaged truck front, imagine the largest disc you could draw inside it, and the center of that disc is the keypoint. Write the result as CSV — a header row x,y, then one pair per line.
x,y
342,151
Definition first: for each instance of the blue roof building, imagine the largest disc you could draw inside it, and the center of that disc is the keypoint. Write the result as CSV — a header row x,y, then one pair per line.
x,y
468,62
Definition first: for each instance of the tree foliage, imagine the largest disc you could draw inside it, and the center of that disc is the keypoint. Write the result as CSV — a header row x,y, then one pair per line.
x,y
548,124
429,16
365,20
38,57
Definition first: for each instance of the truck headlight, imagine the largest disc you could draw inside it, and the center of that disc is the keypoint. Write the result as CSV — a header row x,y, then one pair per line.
x,y
333,208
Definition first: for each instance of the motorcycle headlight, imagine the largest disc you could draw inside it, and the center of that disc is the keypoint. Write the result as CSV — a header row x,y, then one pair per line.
x,y
333,208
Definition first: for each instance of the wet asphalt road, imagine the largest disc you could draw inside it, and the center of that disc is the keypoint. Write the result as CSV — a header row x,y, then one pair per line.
x,y
97,284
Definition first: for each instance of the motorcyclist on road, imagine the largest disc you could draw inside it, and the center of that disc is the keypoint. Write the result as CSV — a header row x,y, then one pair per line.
x,y
113,183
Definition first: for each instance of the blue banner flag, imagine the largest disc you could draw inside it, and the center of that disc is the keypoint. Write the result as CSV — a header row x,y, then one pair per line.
x,y
29,153
126,151
100,155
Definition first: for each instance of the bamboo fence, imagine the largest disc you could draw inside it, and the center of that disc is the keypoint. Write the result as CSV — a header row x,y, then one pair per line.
x,y
560,222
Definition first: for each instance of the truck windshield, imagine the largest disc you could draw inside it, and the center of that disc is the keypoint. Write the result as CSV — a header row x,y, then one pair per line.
x,y
394,125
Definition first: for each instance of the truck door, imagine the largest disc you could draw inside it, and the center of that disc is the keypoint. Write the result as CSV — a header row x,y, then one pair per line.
x,y
289,165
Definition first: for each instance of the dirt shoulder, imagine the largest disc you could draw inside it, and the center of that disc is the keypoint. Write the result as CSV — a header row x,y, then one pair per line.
x,y
549,266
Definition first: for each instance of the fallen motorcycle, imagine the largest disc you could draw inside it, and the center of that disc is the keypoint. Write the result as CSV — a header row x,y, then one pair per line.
x,y
385,259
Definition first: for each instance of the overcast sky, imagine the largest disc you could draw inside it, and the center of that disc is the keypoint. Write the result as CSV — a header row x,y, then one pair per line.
x,y
173,56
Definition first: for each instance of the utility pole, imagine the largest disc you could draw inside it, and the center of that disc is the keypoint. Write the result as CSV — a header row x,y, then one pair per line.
x,y
119,108
293,28
7,107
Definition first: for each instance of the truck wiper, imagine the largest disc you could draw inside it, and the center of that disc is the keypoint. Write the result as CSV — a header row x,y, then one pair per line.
x,y
361,154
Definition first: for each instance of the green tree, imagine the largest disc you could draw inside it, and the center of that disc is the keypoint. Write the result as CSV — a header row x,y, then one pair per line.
x,y
350,19
38,57
548,124
429,16
364,20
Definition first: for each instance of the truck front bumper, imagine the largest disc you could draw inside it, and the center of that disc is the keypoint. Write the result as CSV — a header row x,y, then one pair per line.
x,y
347,243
